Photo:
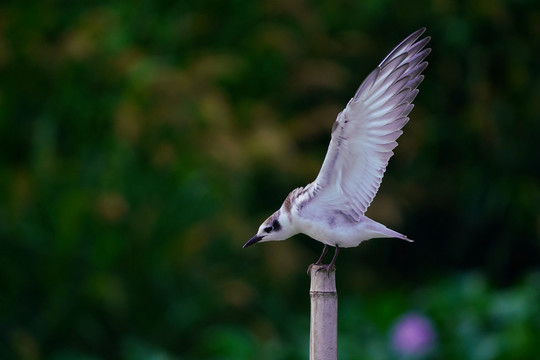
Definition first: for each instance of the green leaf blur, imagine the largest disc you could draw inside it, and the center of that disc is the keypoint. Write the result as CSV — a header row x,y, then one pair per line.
x,y
144,142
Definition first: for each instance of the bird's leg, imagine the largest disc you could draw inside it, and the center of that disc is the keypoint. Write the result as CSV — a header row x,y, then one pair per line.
x,y
319,262
336,253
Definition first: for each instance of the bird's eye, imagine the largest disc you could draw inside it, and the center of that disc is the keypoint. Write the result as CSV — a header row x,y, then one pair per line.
x,y
267,229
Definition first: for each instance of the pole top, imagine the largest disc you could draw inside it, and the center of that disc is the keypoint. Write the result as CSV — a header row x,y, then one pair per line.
x,y
322,280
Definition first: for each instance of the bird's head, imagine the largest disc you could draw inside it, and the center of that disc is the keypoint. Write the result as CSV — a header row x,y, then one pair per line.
x,y
277,227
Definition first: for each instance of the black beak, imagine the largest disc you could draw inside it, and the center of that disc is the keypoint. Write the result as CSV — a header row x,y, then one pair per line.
x,y
253,240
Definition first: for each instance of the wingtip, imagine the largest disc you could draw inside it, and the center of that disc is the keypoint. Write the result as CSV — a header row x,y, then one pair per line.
x,y
417,33
409,41
421,30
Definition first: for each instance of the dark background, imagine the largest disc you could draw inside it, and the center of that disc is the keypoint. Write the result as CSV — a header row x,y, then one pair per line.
x,y
144,142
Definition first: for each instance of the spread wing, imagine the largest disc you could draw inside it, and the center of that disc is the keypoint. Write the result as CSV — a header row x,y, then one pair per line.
x,y
365,132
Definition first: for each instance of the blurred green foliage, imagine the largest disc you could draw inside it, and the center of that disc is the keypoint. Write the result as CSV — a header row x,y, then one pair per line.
x,y
143,143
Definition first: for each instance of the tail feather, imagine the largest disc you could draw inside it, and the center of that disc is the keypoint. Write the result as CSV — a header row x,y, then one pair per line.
x,y
384,232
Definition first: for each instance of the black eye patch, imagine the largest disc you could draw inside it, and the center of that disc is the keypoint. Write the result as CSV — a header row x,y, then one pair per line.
x,y
276,225
267,229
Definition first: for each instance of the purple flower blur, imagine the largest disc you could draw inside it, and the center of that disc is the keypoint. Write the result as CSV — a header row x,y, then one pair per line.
x,y
413,335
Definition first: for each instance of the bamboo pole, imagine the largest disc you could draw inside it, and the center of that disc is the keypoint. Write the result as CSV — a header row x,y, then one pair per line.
x,y
323,325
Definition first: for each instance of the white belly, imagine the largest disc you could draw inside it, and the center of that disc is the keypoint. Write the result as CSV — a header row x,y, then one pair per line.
x,y
341,232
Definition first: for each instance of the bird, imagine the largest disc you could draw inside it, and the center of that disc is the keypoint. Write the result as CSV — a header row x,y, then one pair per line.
x,y
332,208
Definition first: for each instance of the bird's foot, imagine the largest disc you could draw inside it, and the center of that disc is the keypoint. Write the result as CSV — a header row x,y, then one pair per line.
x,y
330,267
327,267
319,262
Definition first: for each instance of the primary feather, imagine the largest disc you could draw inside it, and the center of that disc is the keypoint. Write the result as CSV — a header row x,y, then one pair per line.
x,y
366,131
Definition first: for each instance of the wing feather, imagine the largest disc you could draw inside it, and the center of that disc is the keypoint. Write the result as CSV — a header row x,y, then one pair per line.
x,y
366,131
